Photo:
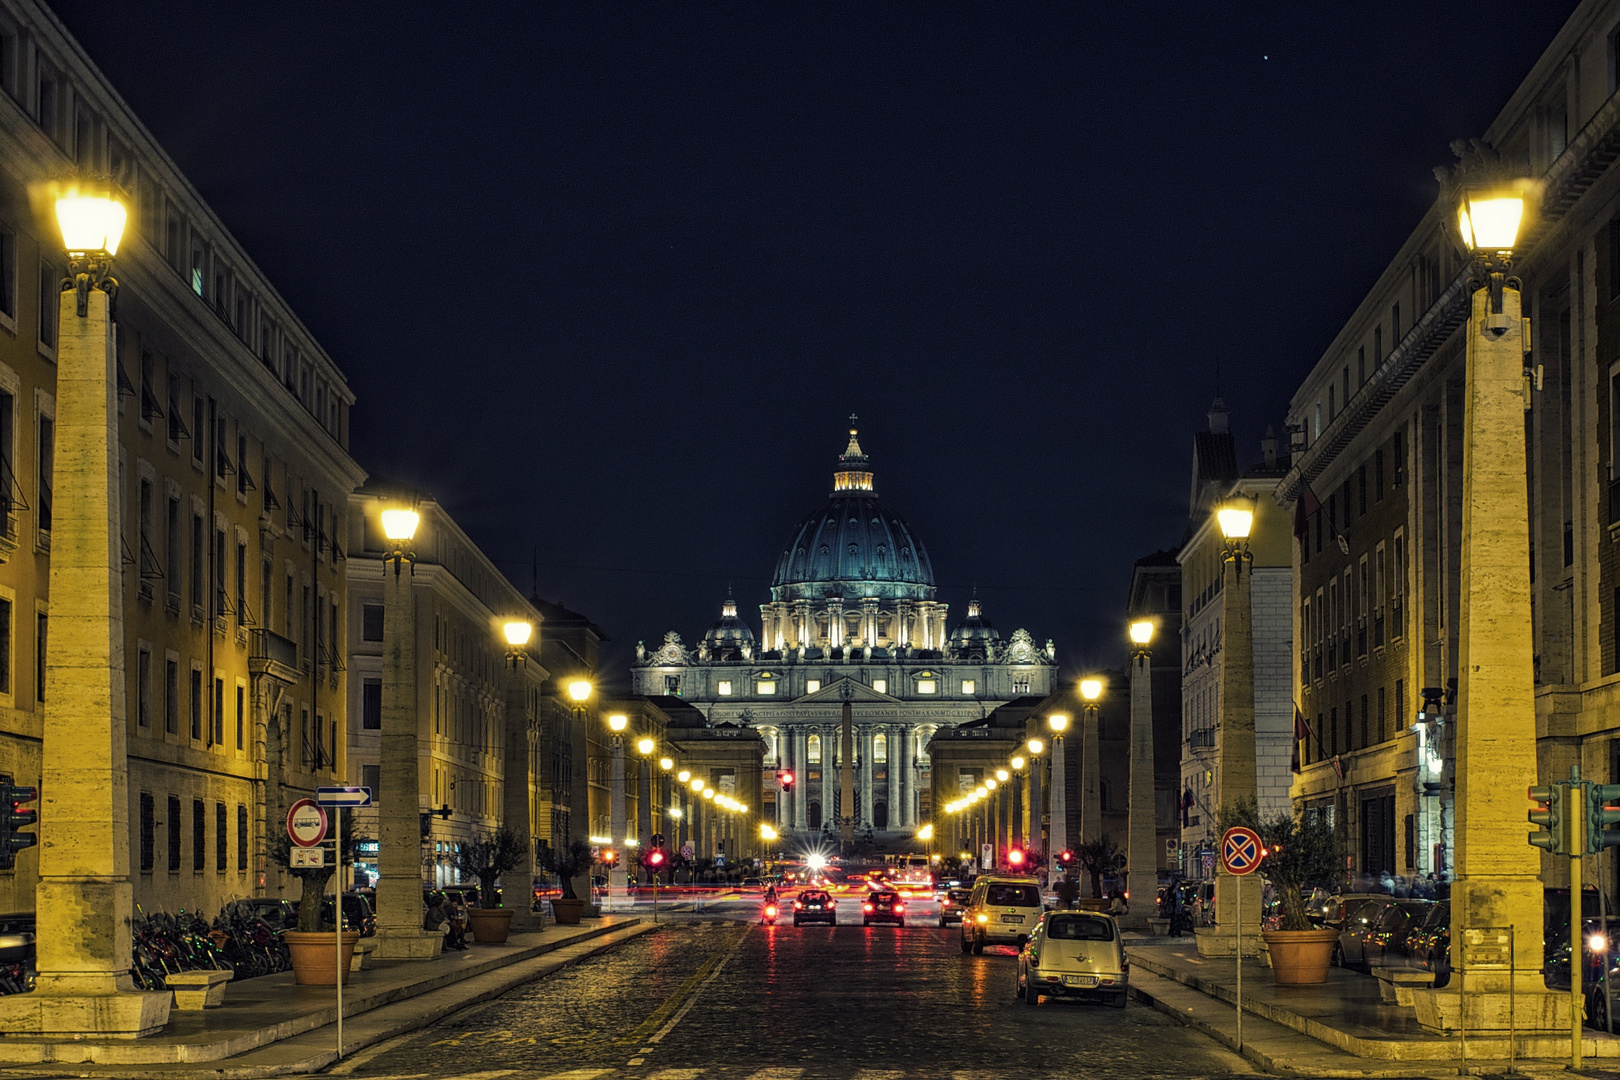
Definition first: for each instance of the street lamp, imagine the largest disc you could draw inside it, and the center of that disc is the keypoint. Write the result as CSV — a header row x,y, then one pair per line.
x,y
618,880
399,529
1142,874
1090,763
517,786
1058,828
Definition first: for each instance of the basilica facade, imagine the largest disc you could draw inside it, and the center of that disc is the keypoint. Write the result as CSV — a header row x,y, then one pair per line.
x,y
854,616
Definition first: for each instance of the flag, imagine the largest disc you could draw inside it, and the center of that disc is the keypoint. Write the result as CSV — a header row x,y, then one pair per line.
x,y
1302,730
1306,507
1187,803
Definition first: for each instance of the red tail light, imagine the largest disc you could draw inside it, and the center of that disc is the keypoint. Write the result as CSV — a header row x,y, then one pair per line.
x,y
899,909
866,907
797,905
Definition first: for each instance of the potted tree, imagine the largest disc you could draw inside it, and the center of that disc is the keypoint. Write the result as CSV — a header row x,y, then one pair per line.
x,y
1300,851
312,946
1098,857
486,857
568,863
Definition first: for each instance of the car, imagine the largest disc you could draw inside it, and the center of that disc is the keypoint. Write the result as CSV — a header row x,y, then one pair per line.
x,y
1359,920
1384,945
1428,944
1074,954
278,914
357,913
1002,910
815,905
952,904
753,883
883,905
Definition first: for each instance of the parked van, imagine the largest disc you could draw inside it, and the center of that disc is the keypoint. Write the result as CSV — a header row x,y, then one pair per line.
x,y
1002,911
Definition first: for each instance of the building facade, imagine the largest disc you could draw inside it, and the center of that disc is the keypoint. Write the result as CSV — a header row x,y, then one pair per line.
x,y
1156,595
853,610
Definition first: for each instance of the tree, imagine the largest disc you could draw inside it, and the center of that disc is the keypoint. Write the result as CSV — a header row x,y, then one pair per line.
x,y
1099,857
313,879
487,856
1301,851
568,862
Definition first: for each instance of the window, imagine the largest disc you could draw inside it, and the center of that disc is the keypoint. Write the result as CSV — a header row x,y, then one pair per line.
x,y
50,299
1383,716
927,686
171,699
881,685
241,838
217,568
969,686
176,542
143,687
371,624
1397,584
880,749
196,703
8,273
371,705
218,735
172,822
1361,365
199,835
1361,490
222,839
47,107
765,686
1365,716
198,564
812,750
1378,344
41,622
1400,704
1378,475
723,688
1399,462
1344,382
199,428
1394,325
47,473
241,714
241,583
148,832
812,685
371,777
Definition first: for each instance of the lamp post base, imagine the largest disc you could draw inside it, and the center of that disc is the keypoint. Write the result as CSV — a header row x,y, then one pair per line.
x,y
119,1015
406,943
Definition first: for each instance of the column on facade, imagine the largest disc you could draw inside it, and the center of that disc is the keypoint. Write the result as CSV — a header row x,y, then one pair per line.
x,y
835,623
903,617
867,745
907,779
801,787
869,620
767,626
801,620
829,746
891,736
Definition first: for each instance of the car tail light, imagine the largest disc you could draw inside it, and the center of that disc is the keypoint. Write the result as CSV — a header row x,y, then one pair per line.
x,y
899,909
797,905
866,907
947,903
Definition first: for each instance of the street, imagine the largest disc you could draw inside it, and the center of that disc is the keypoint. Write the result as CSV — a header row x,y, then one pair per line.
x,y
714,995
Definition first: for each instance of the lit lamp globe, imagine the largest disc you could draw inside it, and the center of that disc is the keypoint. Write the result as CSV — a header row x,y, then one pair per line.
x,y
91,223
1002,775
1091,689
1019,762
646,747
518,632
981,791
1236,520
990,783
399,524
666,763
697,784
1057,722
618,722
708,793
579,689
925,833
1489,220
1035,747
684,775
1142,632
767,833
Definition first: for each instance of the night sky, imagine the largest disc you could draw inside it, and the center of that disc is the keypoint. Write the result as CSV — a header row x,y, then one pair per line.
x,y
608,278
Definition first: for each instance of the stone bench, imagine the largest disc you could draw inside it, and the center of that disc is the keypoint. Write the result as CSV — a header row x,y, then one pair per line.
x,y
1395,984
365,954
197,990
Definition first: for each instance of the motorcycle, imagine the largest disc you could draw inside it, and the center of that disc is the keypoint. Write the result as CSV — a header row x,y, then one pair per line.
x,y
768,918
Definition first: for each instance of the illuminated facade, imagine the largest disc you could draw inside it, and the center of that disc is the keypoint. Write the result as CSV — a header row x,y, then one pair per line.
x,y
853,612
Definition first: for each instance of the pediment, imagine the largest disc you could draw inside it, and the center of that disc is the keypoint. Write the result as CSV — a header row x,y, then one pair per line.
x,y
857,691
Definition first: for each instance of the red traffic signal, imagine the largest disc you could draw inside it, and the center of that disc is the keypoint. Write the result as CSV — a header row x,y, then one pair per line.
x,y
1015,857
785,778
655,859
1066,857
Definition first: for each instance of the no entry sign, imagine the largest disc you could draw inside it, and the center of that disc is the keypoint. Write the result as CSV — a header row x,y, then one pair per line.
x,y
1241,851
306,823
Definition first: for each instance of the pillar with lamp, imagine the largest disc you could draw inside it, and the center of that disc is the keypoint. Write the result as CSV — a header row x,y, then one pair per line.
x,y
399,853
1004,810
1035,746
1496,880
84,899
517,782
1058,825
1142,869
1091,829
1237,772
618,884
646,746
1017,764
576,693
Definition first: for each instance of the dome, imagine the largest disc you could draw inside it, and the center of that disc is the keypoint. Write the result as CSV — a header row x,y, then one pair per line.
x,y
729,633
975,627
853,545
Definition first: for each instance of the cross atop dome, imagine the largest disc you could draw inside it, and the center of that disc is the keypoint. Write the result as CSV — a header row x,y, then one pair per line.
x,y
852,473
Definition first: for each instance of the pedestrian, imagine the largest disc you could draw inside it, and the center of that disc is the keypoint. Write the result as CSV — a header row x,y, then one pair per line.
x,y
1117,905
433,918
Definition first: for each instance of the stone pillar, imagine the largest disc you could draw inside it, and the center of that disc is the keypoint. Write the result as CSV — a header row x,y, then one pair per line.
x,y
399,856
1058,828
846,772
617,880
1235,769
1142,874
835,623
908,777
801,794
517,799
1497,881
827,766
1036,808
84,899
1091,829
868,771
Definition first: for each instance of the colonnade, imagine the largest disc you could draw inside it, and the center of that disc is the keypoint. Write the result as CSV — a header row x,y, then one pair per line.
x,y
899,794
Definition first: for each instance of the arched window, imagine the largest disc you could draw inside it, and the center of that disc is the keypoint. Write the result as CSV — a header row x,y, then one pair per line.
x,y
814,814
812,750
880,748
880,815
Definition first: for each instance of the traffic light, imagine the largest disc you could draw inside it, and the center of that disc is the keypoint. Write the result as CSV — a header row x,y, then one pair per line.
x,y
1016,858
1603,811
655,859
1066,857
609,857
1548,812
785,778
14,816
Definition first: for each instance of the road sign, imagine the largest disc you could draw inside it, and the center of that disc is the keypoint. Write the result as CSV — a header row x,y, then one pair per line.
x,y
1241,851
350,798
304,858
306,823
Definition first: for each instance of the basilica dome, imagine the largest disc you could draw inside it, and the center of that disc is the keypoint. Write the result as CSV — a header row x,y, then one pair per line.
x,y
853,545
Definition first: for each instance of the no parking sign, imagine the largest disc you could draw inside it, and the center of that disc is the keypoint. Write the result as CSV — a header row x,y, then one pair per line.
x,y
1241,851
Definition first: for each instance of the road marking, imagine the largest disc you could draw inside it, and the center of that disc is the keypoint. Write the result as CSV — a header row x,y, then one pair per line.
x,y
680,1014
879,1074
776,1074
575,1074
676,1074
632,1061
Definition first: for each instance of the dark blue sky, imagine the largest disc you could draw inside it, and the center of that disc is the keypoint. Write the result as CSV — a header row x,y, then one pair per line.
x,y
608,278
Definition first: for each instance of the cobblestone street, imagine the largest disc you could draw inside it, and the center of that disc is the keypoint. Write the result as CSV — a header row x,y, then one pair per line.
x,y
707,998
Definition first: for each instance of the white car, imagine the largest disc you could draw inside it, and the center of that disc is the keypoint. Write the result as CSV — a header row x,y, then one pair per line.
x,y
1002,911
1074,954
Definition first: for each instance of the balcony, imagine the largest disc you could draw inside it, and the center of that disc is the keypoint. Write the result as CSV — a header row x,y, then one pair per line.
x,y
273,655
1201,739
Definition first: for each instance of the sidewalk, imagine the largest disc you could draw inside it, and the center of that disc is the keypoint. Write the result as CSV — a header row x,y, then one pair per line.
x,y
270,1027
1341,1026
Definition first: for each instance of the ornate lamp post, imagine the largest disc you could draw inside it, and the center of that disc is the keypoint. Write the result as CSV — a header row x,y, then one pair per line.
x,y
1058,827
617,882
84,899
1018,762
517,811
679,811
1142,874
1090,763
1037,807
645,747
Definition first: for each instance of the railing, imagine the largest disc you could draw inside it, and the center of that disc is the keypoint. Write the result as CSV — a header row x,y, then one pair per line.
x,y
269,645
1202,738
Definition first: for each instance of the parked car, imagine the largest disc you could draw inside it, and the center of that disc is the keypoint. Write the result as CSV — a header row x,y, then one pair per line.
x,y
1384,945
1429,943
1332,913
1359,920
1073,954
277,913
357,914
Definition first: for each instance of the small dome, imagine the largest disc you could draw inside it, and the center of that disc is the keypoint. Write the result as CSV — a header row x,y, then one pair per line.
x,y
975,628
729,633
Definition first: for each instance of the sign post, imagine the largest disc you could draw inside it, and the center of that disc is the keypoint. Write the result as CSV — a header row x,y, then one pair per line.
x,y
1241,852
338,798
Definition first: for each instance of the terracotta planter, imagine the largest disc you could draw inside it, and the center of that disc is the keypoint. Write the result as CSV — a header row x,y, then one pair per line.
x,y
314,956
567,912
1300,957
490,925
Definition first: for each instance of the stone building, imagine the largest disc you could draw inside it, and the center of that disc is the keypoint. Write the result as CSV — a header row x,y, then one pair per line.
x,y
1216,479
463,677
233,429
1156,594
570,650
853,609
